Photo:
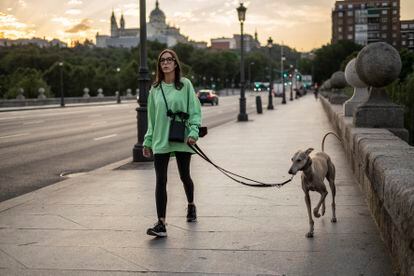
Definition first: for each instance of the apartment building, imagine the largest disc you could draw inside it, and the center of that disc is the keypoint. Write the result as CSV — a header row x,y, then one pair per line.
x,y
407,34
367,21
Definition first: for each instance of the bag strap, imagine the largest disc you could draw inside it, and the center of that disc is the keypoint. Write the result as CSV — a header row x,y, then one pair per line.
x,y
163,95
169,112
232,175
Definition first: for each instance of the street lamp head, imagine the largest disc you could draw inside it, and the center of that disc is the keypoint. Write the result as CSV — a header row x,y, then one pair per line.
x,y
252,63
60,64
270,42
118,69
241,11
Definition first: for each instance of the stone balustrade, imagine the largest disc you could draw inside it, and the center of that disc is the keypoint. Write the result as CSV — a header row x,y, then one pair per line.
x,y
383,164
21,100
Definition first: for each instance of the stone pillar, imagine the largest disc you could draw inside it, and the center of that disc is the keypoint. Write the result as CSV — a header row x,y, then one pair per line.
x,y
100,93
129,92
137,92
86,93
379,64
338,83
41,94
20,95
325,88
360,89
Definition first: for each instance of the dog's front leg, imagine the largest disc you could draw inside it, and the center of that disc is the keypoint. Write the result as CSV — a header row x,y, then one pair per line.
x,y
323,193
311,223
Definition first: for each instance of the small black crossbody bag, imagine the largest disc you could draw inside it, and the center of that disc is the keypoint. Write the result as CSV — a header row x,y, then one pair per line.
x,y
177,128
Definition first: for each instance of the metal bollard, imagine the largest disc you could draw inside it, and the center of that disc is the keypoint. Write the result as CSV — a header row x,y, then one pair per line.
x,y
259,105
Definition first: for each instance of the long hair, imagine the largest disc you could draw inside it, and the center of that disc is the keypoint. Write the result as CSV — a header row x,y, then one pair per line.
x,y
177,70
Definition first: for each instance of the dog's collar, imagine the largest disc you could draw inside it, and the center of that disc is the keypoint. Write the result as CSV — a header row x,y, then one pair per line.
x,y
308,164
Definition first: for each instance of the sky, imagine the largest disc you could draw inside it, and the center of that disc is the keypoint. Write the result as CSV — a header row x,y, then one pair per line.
x,y
300,24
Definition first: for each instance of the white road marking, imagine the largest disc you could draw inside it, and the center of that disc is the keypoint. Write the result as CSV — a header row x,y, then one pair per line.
x,y
9,118
99,123
14,135
105,137
34,122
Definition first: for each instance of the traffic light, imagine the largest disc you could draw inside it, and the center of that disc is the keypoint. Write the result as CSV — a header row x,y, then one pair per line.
x,y
285,75
298,77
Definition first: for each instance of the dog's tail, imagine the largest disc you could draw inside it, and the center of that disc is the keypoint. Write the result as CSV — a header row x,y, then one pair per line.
x,y
324,137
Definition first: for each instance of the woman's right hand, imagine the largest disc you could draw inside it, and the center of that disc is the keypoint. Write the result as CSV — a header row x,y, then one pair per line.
x,y
147,152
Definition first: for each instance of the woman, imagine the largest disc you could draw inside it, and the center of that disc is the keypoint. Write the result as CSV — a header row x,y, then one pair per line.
x,y
176,92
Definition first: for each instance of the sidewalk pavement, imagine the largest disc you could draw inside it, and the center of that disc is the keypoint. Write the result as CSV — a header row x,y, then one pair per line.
x,y
95,224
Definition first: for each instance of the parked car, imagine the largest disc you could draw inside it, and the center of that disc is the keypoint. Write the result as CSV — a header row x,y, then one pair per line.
x,y
208,96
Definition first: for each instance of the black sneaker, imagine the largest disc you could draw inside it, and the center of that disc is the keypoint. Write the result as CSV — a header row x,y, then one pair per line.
x,y
191,213
158,230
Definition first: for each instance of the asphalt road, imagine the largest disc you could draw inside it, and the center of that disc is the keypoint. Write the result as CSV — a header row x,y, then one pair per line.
x,y
38,146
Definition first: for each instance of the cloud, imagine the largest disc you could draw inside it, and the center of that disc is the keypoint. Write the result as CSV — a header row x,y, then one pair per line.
x,y
10,27
73,12
84,25
66,22
75,2
22,3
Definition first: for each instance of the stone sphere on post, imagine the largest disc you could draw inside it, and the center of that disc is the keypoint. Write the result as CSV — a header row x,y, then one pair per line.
x,y
100,93
360,89
338,80
86,92
352,77
41,93
378,64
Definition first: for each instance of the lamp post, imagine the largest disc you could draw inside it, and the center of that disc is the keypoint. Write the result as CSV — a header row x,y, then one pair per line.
x,y
250,75
282,59
143,83
296,84
291,82
62,95
270,102
242,117
118,96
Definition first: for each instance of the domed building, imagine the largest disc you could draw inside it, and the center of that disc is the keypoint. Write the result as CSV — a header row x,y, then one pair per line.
x,y
157,30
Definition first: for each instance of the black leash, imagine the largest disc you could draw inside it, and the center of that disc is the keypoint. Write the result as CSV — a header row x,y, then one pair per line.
x,y
231,175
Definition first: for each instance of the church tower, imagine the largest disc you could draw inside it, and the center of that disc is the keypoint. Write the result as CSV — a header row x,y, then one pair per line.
x,y
114,26
122,22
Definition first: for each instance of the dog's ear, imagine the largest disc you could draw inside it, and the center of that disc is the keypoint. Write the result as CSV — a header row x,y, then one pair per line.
x,y
308,151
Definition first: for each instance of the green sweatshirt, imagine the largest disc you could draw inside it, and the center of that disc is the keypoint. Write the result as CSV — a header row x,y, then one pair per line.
x,y
156,137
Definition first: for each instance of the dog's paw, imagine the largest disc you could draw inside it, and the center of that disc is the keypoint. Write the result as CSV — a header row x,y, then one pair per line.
x,y
333,220
316,213
323,211
309,235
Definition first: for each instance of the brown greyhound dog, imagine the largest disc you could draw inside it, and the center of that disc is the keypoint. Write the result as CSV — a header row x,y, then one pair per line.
x,y
315,169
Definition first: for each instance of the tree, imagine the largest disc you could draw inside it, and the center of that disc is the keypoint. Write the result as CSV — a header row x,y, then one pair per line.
x,y
407,59
329,57
30,80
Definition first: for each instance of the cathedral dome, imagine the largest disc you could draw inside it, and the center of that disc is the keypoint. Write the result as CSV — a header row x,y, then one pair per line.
x,y
157,15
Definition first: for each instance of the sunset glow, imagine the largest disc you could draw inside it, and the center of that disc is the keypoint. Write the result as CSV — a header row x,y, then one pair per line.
x,y
301,24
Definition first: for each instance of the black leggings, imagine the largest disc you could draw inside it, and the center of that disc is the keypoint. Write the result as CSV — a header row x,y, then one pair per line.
x,y
161,169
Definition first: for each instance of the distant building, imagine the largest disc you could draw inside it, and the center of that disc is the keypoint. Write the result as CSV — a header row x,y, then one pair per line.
x,y
407,34
157,30
41,42
224,43
367,21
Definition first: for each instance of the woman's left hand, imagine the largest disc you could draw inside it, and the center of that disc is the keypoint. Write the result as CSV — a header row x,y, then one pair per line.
x,y
191,141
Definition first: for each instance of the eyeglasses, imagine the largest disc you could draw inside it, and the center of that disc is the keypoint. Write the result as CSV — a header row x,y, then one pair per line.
x,y
168,60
